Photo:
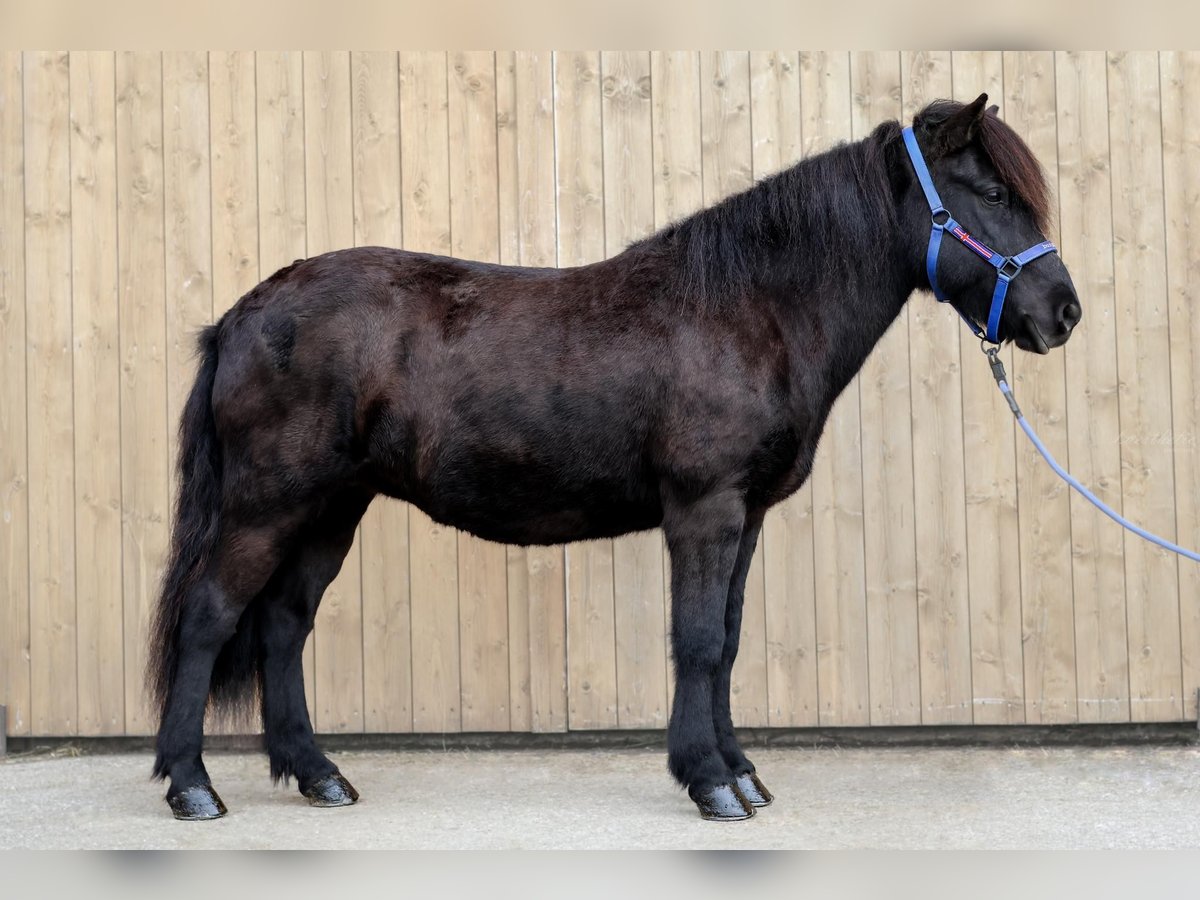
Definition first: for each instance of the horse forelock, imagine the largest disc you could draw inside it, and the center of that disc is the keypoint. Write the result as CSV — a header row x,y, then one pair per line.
x,y
1015,164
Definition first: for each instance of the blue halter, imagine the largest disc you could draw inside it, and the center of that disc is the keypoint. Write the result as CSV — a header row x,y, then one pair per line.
x,y
1007,267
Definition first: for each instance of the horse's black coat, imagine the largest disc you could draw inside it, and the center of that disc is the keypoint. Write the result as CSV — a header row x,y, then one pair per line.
x,y
683,383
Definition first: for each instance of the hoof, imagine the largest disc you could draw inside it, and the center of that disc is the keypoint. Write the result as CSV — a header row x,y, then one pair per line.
x,y
723,803
332,790
196,804
754,790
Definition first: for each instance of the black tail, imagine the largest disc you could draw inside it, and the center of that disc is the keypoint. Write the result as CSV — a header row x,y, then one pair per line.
x,y
194,536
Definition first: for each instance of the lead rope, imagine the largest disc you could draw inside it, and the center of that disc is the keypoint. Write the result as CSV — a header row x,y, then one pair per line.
x,y
1001,377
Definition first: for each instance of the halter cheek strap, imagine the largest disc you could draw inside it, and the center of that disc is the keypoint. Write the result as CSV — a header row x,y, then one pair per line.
x,y
1007,267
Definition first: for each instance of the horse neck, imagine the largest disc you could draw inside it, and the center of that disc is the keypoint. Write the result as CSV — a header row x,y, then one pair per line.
x,y
838,283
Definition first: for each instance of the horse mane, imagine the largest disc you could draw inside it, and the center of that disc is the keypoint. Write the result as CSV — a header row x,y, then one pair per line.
x,y
1014,162
822,218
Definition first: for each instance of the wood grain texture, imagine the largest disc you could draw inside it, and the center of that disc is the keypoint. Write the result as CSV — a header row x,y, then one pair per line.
x,y
14,445
96,390
145,463
474,233
886,410
591,628
338,637
51,433
786,545
678,180
839,564
989,459
640,592
433,548
278,121
1179,75
1143,347
233,153
727,166
1043,507
1092,387
366,190
939,469
537,624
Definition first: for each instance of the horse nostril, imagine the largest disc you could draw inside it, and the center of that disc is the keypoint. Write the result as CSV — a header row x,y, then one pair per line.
x,y
1070,314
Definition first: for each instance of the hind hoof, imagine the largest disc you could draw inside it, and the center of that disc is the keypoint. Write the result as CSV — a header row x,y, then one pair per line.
x,y
332,790
723,803
754,790
196,804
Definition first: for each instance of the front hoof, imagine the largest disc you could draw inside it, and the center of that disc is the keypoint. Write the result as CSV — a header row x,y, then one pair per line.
x,y
723,803
196,804
332,790
754,790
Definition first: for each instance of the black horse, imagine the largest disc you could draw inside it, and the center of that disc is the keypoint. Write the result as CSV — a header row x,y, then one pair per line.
x,y
684,383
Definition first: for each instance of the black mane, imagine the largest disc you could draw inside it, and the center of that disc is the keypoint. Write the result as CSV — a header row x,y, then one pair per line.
x,y
816,215
819,214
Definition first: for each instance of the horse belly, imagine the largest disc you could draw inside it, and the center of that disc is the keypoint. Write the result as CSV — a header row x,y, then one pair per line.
x,y
525,504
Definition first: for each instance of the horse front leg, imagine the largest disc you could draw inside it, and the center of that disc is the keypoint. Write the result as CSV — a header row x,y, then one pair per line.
x,y
703,536
743,770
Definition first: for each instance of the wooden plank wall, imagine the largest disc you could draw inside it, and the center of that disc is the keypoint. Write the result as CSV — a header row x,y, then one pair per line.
x,y
933,571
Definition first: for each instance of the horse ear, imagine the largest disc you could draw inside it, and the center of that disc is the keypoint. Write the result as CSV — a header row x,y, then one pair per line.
x,y
994,109
958,130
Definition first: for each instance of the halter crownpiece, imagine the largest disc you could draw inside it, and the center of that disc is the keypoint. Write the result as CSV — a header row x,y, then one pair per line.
x,y
1007,267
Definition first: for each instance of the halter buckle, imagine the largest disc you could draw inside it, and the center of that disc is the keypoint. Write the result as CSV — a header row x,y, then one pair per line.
x,y
941,210
1004,271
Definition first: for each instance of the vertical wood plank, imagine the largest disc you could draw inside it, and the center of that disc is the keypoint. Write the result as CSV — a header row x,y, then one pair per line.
x,y
48,379
678,183
1092,385
786,546
1143,353
145,466
375,210
96,391
474,233
591,630
14,465
727,167
1043,508
839,569
1180,86
638,586
233,205
433,548
989,455
886,410
233,135
338,634
943,613
536,590
278,96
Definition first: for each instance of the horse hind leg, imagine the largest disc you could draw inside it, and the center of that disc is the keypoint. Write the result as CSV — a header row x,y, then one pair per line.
x,y
288,609
743,770
213,608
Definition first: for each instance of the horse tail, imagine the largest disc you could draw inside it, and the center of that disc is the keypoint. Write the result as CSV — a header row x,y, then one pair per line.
x,y
197,525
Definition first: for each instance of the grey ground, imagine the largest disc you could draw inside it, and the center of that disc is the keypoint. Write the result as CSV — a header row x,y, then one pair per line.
x,y
915,797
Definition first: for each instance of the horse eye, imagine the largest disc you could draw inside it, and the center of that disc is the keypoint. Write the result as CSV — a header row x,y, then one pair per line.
x,y
995,196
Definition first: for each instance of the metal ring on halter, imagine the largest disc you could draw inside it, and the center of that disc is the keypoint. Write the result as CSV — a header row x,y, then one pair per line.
x,y
934,216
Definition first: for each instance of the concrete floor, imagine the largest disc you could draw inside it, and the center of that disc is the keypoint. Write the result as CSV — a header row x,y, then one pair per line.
x,y
825,798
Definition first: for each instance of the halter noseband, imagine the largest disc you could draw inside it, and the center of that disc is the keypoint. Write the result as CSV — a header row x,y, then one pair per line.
x,y
1007,267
